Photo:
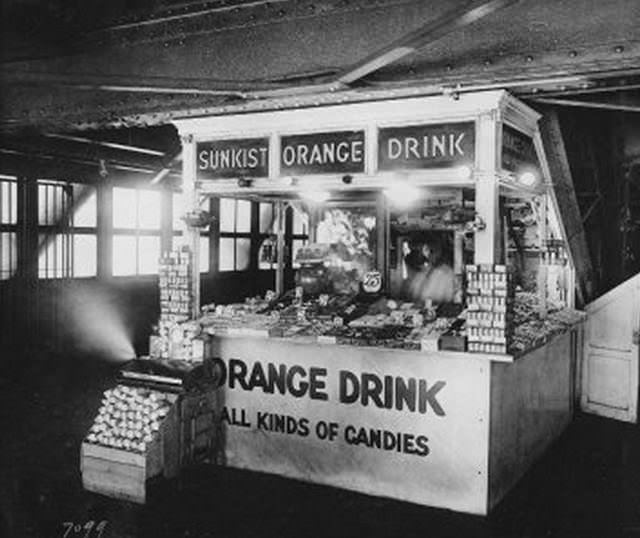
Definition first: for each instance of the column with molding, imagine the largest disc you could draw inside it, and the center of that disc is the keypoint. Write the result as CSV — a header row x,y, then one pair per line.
x,y
487,240
190,205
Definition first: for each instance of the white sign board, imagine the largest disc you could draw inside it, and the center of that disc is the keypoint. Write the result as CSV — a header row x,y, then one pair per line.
x,y
395,424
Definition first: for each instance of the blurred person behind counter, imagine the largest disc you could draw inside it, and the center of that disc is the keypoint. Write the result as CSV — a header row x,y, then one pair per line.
x,y
429,275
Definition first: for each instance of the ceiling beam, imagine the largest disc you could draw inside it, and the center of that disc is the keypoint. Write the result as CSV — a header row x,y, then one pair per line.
x,y
455,19
418,39
77,161
587,104
111,145
125,83
167,169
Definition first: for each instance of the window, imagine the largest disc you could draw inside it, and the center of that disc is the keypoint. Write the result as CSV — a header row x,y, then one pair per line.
x,y
205,252
299,234
85,249
235,234
136,229
55,204
54,255
266,228
67,236
8,230
84,228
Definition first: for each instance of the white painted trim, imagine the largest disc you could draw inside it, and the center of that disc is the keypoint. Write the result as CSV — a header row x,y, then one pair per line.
x,y
346,116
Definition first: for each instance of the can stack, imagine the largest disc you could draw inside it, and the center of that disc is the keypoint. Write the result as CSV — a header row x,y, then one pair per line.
x,y
129,418
490,295
176,298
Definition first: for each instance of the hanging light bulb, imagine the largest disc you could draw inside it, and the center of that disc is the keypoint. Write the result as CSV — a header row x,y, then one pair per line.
x,y
528,179
402,194
463,172
316,196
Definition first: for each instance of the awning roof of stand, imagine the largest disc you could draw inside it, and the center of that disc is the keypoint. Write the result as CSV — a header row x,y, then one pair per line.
x,y
103,67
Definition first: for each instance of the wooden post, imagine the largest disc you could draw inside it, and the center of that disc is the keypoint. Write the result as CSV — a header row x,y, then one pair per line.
x,y
166,225
487,241
458,264
565,202
104,197
542,268
190,204
280,213
382,238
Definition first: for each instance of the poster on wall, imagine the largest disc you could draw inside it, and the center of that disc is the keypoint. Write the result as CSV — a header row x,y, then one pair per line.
x,y
410,429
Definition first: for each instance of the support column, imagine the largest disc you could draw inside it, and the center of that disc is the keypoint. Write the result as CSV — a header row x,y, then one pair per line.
x,y
166,225
280,214
104,224
382,238
190,204
487,241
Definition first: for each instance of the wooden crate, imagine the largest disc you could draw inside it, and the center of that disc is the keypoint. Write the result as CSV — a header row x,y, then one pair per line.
x,y
122,474
197,428
116,473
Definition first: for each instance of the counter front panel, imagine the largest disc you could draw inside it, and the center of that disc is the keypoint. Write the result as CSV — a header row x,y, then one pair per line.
x,y
388,423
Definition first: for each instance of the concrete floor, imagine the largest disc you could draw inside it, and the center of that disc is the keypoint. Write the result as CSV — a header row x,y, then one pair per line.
x,y
588,485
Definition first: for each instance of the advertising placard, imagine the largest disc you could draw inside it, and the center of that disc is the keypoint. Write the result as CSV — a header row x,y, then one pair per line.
x,y
426,146
371,420
323,153
518,150
230,159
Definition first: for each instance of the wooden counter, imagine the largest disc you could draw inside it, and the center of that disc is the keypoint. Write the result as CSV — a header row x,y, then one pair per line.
x,y
444,429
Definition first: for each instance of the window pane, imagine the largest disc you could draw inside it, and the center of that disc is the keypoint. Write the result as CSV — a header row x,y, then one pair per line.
x,y
124,255
243,217
8,202
266,218
8,254
225,261
300,223
52,260
149,207
84,255
242,254
148,255
85,213
124,208
267,253
227,214
51,198
296,245
204,254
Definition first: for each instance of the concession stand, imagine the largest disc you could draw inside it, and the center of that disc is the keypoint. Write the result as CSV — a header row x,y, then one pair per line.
x,y
356,373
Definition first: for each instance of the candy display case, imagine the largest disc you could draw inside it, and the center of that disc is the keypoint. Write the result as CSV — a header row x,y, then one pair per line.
x,y
422,345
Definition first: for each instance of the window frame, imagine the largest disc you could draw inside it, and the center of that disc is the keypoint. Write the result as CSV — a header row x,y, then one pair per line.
x,y
10,227
136,232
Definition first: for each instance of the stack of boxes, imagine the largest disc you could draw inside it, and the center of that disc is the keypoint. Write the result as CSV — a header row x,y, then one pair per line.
x,y
490,297
177,338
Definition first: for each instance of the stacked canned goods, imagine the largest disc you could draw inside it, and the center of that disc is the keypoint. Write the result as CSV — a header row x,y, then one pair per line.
x,y
129,418
176,295
489,308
